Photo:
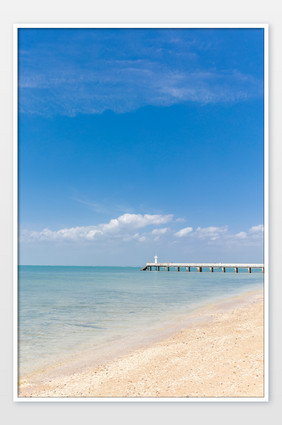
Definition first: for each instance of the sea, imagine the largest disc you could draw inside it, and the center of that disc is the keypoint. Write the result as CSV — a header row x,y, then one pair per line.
x,y
65,311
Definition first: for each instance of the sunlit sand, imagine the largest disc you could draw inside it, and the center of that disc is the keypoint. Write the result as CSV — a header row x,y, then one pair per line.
x,y
220,354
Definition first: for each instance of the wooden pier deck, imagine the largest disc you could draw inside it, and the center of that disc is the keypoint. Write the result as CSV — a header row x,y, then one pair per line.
x,y
201,267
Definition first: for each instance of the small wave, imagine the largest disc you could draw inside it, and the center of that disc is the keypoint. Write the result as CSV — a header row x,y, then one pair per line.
x,y
80,325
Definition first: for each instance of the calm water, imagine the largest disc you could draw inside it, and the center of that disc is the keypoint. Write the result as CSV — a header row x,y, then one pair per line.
x,y
67,310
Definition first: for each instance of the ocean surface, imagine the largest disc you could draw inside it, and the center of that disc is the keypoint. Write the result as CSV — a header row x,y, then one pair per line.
x,y
66,311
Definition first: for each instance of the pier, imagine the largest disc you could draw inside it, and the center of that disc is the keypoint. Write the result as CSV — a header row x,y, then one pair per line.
x,y
201,267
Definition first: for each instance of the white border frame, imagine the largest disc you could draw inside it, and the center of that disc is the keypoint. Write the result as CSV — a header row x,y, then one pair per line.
x,y
266,217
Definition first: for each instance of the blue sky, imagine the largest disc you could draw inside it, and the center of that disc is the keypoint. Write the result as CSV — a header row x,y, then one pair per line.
x,y
140,141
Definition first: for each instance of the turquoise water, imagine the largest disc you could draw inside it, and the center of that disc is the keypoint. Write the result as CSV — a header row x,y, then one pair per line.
x,y
68,310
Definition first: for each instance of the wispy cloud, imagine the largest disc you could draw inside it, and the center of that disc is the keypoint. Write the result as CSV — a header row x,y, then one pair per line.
x,y
104,206
241,235
159,232
214,234
211,232
183,232
256,230
255,233
92,72
131,88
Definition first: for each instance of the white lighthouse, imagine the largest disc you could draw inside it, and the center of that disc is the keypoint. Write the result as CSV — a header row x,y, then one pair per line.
x,y
156,259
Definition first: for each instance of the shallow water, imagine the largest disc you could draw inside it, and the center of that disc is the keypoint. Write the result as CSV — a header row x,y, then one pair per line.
x,y
68,310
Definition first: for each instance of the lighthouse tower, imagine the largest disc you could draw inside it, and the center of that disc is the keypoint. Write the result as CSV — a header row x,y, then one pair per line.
x,y
156,259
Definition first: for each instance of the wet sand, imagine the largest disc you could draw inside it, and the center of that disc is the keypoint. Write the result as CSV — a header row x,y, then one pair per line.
x,y
219,354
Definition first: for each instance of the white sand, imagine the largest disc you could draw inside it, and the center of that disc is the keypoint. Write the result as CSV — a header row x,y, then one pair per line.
x,y
220,355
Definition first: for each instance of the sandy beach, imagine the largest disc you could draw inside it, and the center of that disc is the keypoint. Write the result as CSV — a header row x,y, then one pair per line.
x,y
219,354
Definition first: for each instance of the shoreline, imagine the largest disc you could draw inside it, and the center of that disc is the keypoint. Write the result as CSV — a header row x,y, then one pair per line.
x,y
218,352
110,351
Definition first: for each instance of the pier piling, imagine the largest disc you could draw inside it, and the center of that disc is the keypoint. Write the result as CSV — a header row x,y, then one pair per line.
x,y
199,267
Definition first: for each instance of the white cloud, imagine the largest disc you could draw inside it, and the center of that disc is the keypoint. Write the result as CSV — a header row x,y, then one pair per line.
x,y
136,227
255,233
210,232
256,230
159,232
214,233
241,235
252,236
183,232
180,220
137,220
130,237
122,227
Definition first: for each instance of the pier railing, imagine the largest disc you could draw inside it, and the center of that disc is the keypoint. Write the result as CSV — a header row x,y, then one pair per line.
x,y
201,267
